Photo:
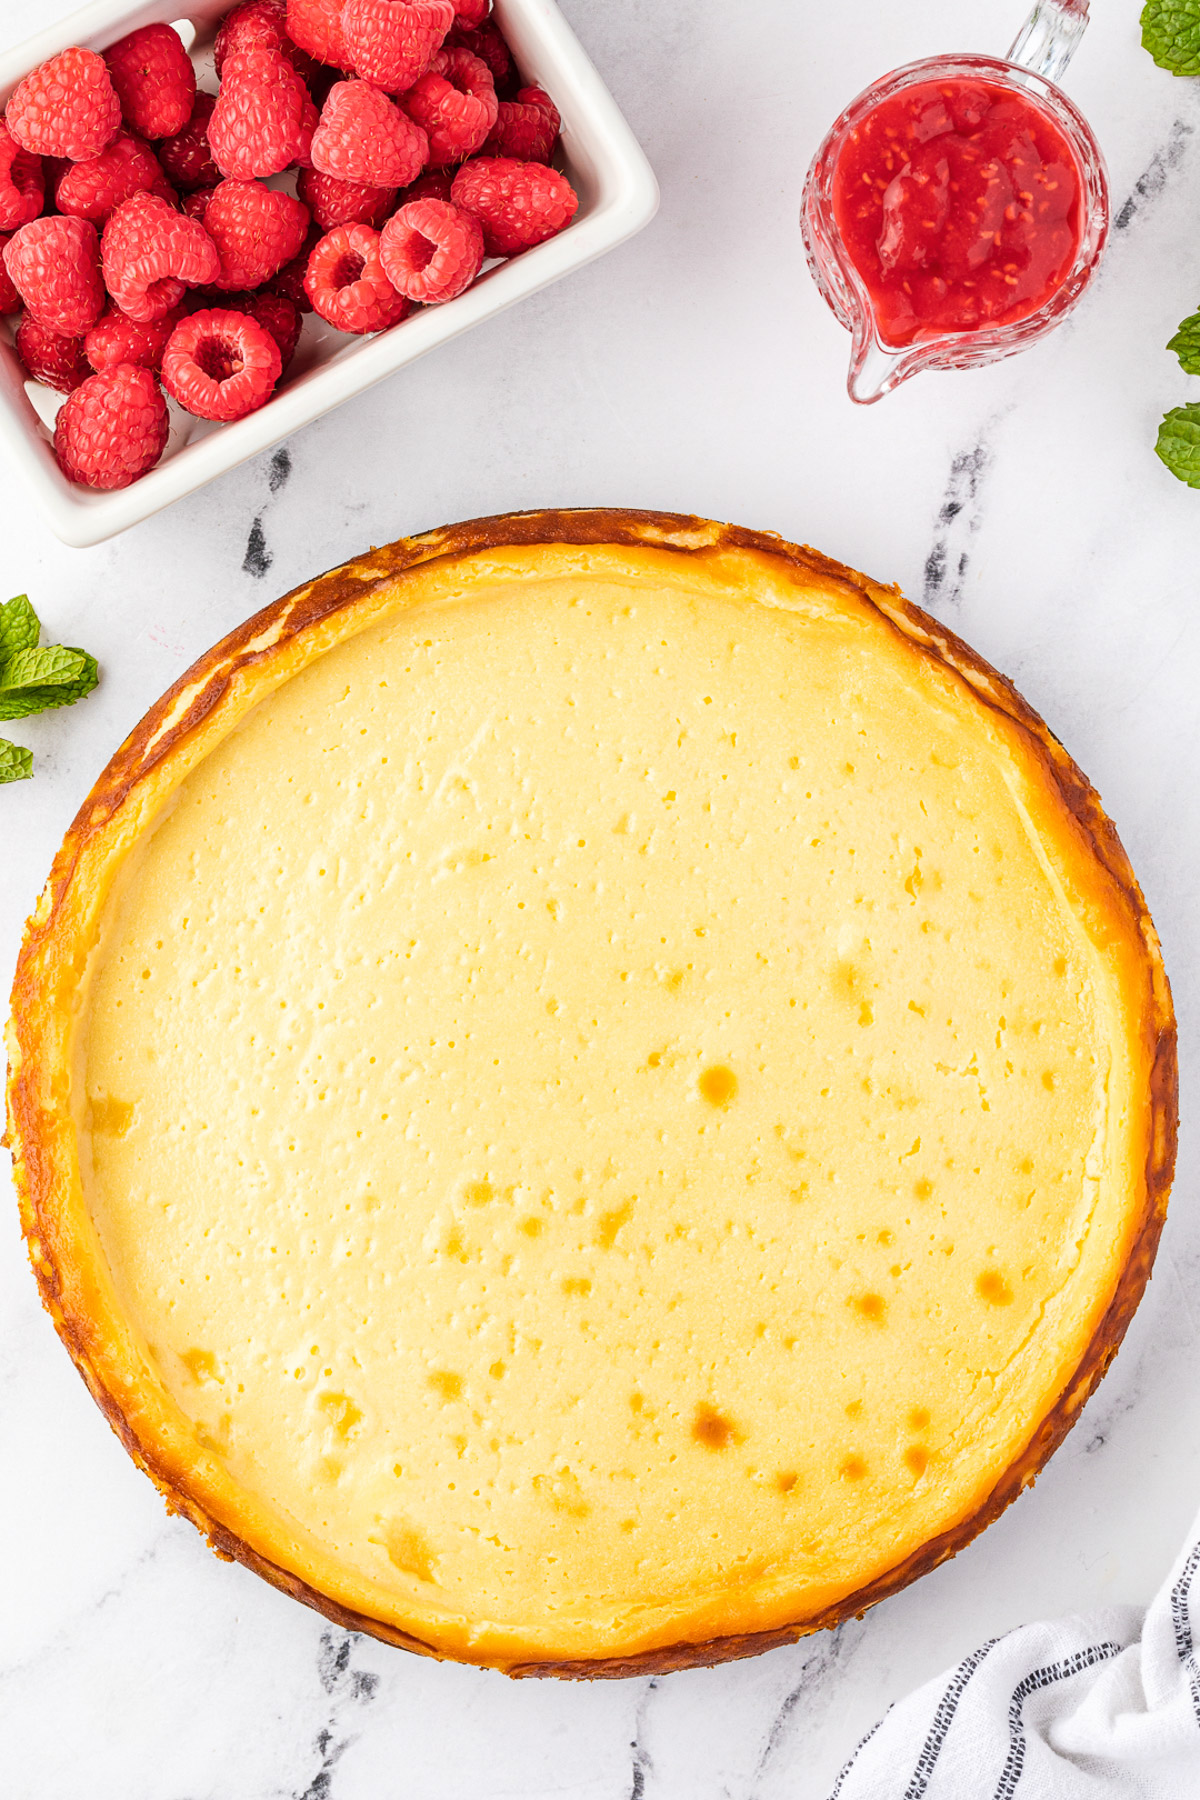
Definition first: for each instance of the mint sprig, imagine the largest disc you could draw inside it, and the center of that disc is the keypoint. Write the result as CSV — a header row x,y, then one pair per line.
x,y
33,679
1178,443
1171,33
19,628
1186,344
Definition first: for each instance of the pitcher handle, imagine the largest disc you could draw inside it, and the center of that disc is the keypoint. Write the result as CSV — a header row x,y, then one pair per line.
x,y
1048,39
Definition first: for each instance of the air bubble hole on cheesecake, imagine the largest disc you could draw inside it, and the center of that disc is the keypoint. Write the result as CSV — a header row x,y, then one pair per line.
x,y
564,1102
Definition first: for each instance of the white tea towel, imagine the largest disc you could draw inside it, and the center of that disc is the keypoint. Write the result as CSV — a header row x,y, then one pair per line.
x,y
1102,1708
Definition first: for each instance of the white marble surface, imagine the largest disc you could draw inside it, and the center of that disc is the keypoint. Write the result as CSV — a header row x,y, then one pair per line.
x,y
694,369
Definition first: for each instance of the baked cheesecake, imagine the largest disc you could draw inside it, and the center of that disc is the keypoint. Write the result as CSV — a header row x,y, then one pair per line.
x,y
591,1092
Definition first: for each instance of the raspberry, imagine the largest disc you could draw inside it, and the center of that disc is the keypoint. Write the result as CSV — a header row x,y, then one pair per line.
x,y
431,251
363,137
434,184
154,79
187,157
309,117
150,253
335,202
519,204
469,13
279,316
263,118
221,364
392,42
347,285
259,25
65,107
10,300
310,114
487,44
50,357
316,26
54,264
526,127
454,104
282,319
116,339
22,183
92,189
255,229
196,205
289,283
112,428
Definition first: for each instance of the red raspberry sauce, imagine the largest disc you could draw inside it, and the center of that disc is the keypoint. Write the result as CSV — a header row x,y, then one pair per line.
x,y
958,202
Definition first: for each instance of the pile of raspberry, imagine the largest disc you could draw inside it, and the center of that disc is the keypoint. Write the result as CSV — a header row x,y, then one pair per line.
x,y
146,236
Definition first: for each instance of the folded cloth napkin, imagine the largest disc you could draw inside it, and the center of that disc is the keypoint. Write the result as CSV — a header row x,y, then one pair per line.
x,y
1102,1708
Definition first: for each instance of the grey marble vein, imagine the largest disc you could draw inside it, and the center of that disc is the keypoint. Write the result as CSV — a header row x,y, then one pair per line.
x,y
346,1688
642,1765
824,1658
258,558
959,518
1103,1420
82,1621
329,1750
280,469
1153,179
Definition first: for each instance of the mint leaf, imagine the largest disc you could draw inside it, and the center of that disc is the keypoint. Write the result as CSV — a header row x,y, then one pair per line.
x,y
1186,345
16,762
1171,33
73,686
19,628
1179,442
32,680
47,666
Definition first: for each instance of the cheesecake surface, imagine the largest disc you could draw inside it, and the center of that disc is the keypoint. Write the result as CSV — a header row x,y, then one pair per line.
x,y
613,1097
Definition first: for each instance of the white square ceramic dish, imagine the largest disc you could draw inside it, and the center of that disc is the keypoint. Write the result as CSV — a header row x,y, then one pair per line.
x,y
607,167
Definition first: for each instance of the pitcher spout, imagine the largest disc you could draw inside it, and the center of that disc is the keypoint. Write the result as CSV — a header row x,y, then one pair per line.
x,y
874,370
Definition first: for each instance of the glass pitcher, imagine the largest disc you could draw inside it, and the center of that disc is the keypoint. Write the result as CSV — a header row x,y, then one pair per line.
x,y
1040,54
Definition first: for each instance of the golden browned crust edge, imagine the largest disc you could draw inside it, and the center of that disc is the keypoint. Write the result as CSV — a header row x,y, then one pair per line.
x,y
208,680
